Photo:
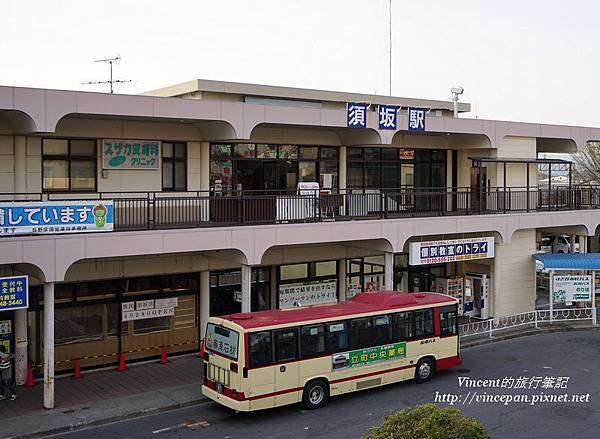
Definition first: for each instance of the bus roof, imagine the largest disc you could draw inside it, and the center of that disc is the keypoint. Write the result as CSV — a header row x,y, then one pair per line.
x,y
359,304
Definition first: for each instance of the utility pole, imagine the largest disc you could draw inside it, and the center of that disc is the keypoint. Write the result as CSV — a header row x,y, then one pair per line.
x,y
390,47
111,81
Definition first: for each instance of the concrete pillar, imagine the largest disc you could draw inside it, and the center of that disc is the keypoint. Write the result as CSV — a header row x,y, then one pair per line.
x,y
342,285
582,244
20,164
204,301
21,346
343,162
204,166
274,304
49,345
246,287
389,271
572,243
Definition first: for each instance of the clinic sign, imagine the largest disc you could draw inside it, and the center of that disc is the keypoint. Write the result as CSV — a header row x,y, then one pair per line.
x,y
572,289
14,293
130,154
452,250
304,294
48,217
363,357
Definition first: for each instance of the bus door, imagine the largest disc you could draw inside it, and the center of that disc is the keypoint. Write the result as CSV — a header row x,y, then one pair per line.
x,y
480,286
286,366
261,378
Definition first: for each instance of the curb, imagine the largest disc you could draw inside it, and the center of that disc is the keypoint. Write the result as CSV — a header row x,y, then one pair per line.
x,y
97,422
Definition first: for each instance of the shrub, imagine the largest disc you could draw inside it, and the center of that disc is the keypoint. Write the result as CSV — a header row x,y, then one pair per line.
x,y
427,421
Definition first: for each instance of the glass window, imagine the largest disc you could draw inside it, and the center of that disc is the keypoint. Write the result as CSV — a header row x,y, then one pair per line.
x,y
336,336
78,324
68,165
372,154
360,333
328,168
355,175
296,271
326,268
83,175
407,175
389,153
329,153
355,153
309,152
372,175
403,326
261,351
266,151
220,150
286,345
312,340
448,323
382,330
167,175
180,150
56,175
389,174
288,172
423,323
245,150
221,172
55,147
287,152
83,147
308,171
167,149
155,324
174,166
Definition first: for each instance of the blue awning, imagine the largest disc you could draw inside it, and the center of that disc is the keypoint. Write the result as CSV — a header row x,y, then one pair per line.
x,y
568,261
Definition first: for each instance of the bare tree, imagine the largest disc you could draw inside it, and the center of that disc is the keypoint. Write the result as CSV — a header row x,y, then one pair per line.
x,y
586,167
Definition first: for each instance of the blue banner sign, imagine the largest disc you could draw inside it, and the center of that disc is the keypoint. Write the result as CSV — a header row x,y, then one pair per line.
x,y
14,293
416,119
49,217
356,115
388,117
452,250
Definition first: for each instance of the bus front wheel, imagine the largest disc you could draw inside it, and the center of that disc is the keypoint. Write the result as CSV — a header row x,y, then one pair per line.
x,y
315,395
424,370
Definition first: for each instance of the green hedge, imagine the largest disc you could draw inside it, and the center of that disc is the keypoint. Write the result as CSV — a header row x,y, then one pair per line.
x,y
427,421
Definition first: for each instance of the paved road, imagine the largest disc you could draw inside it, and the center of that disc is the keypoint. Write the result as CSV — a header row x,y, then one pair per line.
x,y
572,354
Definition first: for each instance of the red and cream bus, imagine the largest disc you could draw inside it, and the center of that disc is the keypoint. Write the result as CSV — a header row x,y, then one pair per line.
x,y
266,359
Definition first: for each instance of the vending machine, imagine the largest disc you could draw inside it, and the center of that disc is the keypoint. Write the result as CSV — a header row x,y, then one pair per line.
x,y
480,286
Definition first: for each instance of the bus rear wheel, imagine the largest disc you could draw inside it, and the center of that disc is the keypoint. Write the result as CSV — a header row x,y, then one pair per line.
x,y
424,370
315,395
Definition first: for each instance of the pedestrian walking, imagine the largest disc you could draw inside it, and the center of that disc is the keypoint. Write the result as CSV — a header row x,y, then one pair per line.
x,y
7,385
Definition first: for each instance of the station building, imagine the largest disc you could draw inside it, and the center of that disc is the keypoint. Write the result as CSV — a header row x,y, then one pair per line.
x,y
135,218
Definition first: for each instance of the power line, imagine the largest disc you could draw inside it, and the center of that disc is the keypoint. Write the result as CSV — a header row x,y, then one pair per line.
x,y
110,81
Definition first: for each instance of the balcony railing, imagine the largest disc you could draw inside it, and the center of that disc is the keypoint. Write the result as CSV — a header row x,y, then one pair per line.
x,y
164,210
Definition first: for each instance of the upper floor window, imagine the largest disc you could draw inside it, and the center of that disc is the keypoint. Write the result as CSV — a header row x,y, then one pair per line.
x,y
68,165
174,166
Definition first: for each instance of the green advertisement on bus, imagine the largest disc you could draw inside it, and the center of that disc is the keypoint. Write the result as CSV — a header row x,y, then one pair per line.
x,y
362,357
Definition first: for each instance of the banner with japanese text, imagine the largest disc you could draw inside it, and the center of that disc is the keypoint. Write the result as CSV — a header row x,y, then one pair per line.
x,y
450,250
572,288
49,217
361,357
14,292
305,294
130,154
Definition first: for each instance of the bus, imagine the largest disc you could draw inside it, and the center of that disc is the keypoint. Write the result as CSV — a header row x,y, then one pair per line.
x,y
266,359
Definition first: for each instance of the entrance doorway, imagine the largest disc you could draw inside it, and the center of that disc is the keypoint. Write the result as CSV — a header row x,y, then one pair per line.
x,y
478,188
479,285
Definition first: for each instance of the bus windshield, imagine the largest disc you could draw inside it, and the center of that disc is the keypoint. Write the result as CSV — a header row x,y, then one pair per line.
x,y
222,340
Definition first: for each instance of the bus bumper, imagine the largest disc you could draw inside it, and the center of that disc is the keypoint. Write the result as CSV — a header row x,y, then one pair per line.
x,y
240,406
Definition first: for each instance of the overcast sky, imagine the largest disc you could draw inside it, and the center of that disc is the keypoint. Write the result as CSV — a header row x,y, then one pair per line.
x,y
525,60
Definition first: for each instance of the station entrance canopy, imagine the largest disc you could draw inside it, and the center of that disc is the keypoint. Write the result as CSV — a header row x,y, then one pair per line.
x,y
569,261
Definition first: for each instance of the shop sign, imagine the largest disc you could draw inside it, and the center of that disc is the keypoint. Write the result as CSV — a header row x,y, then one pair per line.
x,y
48,217
452,250
14,293
5,327
407,154
307,294
416,119
356,115
362,357
130,154
148,309
572,289
388,117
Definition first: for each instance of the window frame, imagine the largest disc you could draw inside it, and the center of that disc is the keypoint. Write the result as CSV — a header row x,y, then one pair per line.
x,y
69,158
276,332
251,363
302,355
452,309
174,160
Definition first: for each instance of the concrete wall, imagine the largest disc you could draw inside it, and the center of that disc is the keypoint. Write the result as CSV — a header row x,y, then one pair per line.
x,y
513,282
7,164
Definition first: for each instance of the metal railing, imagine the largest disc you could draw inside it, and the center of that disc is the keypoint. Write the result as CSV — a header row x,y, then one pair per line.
x,y
533,318
163,210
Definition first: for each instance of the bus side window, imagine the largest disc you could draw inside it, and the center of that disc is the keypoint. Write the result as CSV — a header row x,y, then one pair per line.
x,y
286,345
261,350
424,323
360,333
404,328
312,340
448,321
336,337
382,330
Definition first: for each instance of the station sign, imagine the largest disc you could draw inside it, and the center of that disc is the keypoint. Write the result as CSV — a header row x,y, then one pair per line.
x,y
50,217
452,250
572,289
416,119
14,293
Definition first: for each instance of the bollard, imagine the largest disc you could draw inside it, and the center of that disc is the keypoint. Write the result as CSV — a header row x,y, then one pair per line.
x,y
30,382
76,369
163,355
201,353
122,366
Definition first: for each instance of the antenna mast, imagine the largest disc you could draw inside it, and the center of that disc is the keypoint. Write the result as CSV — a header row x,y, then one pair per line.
x,y
111,81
